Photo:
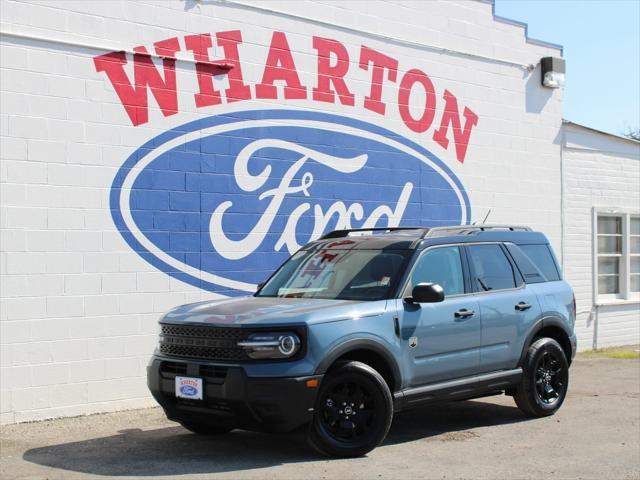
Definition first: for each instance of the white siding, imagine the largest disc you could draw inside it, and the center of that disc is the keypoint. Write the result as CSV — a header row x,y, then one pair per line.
x,y
600,171
78,307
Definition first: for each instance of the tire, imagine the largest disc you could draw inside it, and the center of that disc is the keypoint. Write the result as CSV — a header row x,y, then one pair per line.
x,y
545,379
205,429
350,389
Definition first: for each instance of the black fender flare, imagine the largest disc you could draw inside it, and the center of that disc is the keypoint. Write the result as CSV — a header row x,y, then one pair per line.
x,y
540,324
361,344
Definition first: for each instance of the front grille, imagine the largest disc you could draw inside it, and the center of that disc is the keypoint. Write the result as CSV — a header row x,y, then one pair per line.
x,y
212,374
172,369
204,331
205,342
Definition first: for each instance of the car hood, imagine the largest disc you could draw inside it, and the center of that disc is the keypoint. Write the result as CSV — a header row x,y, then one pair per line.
x,y
245,311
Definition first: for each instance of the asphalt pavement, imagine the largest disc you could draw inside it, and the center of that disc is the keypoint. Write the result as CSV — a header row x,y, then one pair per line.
x,y
595,435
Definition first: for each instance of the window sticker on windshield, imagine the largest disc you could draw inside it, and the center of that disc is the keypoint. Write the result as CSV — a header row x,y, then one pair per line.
x,y
384,281
328,257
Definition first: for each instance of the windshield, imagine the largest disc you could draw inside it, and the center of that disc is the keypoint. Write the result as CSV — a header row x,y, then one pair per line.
x,y
337,274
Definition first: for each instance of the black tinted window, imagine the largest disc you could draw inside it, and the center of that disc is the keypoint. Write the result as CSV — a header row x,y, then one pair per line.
x,y
542,258
531,273
442,266
491,268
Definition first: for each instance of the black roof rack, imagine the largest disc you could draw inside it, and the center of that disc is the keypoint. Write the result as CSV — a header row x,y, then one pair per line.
x,y
346,232
424,232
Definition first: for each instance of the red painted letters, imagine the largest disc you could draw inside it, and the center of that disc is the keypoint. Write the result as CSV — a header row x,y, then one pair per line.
x,y
328,74
333,79
460,135
200,44
134,98
229,42
280,66
206,69
408,81
380,63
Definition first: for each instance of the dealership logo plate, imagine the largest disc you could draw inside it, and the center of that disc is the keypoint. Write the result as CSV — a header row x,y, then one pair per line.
x,y
189,387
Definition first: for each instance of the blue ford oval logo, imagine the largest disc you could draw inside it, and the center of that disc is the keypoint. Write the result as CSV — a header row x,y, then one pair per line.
x,y
188,390
221,202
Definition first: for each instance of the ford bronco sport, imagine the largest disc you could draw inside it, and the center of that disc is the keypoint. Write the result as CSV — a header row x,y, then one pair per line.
x,y
361,324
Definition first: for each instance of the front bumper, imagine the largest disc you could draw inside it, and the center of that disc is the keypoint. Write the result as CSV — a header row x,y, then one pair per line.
x,y
231,398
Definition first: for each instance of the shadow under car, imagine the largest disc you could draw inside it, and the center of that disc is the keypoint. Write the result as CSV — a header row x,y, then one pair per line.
x,y
174,451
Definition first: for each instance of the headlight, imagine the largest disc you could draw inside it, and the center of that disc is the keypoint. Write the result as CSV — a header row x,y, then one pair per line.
x,y
275,345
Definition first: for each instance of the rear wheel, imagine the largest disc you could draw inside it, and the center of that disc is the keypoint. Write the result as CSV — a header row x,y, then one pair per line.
x,y
205,429
545,379
353,411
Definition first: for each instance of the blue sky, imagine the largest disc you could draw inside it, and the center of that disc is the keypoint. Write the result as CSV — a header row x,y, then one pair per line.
x,y
601,40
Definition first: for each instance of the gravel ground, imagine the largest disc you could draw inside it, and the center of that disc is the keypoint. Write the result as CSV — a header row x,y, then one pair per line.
x,y
595,435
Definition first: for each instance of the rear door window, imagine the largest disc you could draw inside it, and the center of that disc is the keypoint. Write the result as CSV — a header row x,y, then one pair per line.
x,y
490,268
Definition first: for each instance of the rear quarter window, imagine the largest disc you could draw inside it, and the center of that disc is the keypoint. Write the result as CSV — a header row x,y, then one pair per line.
x,y
536,262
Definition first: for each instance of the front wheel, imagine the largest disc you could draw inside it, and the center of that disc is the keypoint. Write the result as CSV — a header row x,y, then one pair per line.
x,y
545,379
353,411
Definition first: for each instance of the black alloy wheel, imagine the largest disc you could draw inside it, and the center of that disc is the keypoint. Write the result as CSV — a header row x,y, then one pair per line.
x,y
545,379
549,378
353,411
347,411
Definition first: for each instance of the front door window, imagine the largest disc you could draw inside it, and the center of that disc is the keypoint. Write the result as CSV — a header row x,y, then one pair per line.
x,y
442,266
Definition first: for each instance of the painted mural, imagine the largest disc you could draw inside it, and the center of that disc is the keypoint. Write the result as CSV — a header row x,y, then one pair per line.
x,y
222,201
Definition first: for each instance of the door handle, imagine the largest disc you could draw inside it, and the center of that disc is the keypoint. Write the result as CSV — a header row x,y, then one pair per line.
x,y
522,306
464,313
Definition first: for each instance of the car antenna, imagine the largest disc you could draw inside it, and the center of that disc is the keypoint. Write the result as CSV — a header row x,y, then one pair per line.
x,y
486,216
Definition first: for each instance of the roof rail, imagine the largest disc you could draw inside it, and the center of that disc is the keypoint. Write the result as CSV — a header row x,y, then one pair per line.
x,y
425,232
468,229
346,232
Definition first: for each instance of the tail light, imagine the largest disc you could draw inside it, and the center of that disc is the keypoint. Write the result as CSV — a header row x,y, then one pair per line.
x,y
574,307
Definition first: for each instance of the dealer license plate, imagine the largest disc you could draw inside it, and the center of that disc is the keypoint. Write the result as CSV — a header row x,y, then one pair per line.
x,y
189,387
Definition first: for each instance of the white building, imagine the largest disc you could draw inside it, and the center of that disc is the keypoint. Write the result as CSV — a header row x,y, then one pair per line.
x,y
601,234
125,190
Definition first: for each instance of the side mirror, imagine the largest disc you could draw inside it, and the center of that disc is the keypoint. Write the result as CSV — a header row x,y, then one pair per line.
x,y
259,286
427,293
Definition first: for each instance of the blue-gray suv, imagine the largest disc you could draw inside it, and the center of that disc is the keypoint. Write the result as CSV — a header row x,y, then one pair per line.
x,y
361,324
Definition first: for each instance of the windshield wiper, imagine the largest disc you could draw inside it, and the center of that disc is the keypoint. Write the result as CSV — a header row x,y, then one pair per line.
x,y
483,285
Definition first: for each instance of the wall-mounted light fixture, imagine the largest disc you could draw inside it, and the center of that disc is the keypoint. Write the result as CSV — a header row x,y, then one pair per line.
x,y
553,70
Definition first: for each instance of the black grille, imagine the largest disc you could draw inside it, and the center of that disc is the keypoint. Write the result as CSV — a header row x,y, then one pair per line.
x,y
204,332
213,374
210,343
171,369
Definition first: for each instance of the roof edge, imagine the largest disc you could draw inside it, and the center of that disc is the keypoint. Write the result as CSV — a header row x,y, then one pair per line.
x,y
525,26
602,132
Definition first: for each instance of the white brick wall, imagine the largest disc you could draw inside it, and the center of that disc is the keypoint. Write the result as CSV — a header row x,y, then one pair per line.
x,y
78,307
600,171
